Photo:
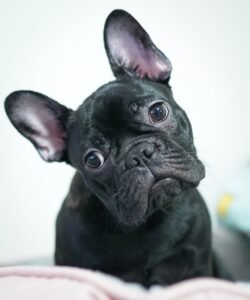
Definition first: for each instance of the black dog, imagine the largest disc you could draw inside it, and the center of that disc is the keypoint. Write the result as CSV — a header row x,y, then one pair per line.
x,y
132,209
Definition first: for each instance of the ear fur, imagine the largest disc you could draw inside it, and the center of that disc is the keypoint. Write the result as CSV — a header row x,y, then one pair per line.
x,y
130,50
41,120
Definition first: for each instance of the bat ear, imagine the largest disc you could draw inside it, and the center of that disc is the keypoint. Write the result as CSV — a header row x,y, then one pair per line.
x,y
41,120
130,50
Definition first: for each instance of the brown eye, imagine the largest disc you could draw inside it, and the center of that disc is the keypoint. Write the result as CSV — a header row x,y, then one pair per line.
x,y
158,112
94,159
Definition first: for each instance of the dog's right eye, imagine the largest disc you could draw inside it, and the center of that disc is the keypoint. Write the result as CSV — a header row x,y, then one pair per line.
x,y
94,159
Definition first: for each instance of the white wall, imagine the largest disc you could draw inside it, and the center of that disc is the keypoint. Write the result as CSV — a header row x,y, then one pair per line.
x,y
56,47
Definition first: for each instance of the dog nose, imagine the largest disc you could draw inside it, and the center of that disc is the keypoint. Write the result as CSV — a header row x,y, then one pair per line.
x,y
139,155
148,150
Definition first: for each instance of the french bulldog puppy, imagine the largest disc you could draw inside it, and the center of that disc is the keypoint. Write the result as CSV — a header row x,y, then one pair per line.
x,y
133,209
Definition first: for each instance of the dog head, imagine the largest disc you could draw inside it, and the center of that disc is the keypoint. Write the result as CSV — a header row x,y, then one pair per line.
x,y
130,140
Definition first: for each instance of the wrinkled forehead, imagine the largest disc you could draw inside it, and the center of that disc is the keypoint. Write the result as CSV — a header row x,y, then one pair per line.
x,y
118,101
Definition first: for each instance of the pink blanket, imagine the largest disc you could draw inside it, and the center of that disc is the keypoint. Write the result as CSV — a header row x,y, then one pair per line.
x,y
47,283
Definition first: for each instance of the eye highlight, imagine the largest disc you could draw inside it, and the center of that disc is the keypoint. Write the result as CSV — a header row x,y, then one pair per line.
x,y
94,159
158,112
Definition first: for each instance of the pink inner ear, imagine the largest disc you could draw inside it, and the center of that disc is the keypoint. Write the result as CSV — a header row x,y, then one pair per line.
x,y
45,133
129,52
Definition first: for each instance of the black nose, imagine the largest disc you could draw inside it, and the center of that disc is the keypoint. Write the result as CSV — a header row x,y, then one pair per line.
x,y
139,155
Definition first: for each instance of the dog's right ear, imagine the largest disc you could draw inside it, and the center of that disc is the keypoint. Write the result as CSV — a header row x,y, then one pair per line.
x,y
41,120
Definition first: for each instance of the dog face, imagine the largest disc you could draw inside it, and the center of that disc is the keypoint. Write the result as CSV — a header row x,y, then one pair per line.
x,y
130,140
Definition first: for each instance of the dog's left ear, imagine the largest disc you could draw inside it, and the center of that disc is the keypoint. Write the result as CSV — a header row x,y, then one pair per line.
x,y
130,50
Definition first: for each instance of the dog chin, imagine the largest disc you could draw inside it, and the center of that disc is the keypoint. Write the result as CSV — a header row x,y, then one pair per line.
x,y
164,191
159,194
131,219
142,209
135,213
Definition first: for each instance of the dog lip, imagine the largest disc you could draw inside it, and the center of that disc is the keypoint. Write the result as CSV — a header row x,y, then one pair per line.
x,y
175,184
166,180
170,182
185,176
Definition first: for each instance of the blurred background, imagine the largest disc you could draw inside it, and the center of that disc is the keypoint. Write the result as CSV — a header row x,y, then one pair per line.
x,y
56,47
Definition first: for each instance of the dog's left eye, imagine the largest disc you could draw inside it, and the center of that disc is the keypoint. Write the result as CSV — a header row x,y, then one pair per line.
x,y
158,112
94,159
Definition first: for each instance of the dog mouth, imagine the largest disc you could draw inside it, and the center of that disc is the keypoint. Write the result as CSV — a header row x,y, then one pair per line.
x,y
145,194
171,186
143,201
152,182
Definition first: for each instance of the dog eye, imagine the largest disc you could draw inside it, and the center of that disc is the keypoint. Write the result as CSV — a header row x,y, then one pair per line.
x,y
94,159
158,112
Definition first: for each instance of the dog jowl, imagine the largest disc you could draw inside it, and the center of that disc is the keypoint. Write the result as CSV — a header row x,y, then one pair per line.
x,y
133,209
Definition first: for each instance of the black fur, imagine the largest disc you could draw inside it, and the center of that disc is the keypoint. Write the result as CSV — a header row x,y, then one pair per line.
x,y
138,216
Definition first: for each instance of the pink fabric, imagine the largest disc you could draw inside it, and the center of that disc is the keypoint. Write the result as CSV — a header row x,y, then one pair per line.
x,y
47,283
